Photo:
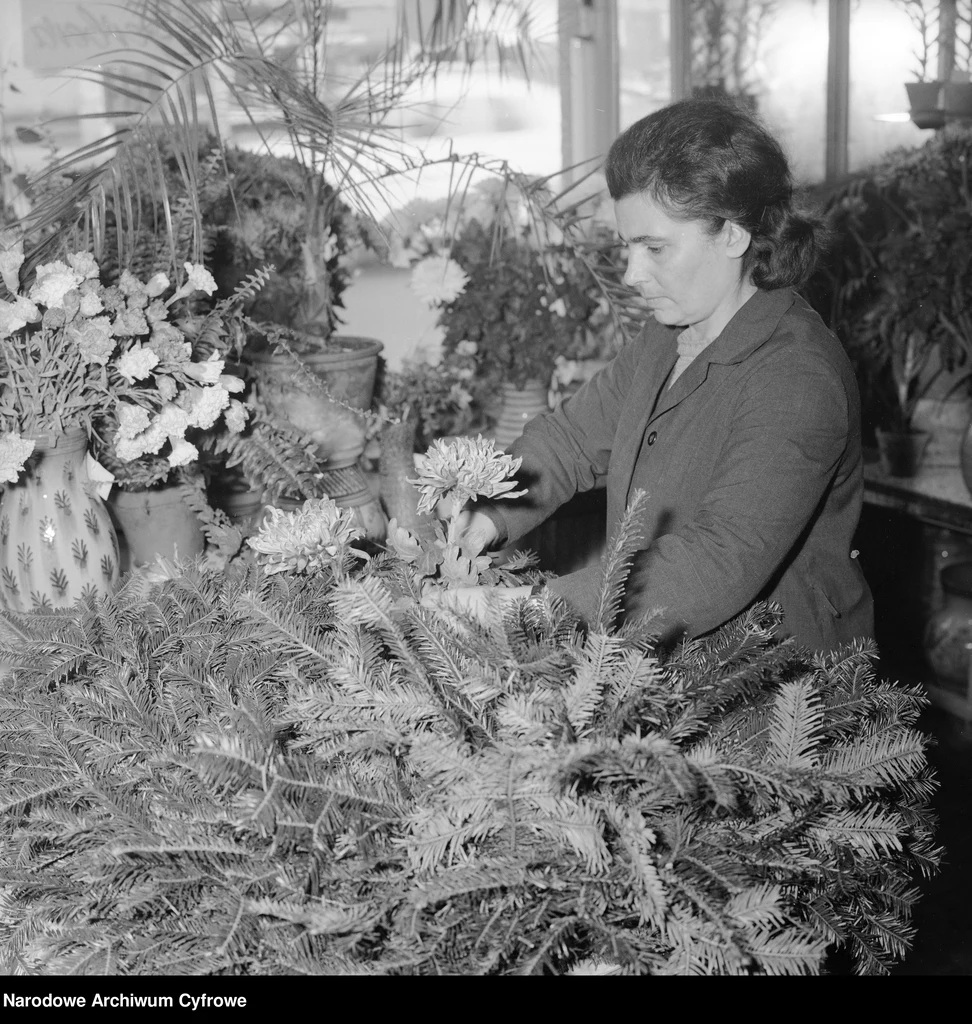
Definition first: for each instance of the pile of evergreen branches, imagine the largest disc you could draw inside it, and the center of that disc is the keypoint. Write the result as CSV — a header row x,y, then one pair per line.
x,y
230,773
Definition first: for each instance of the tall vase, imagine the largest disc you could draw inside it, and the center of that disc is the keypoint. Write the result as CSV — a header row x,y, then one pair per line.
x,y
399,497
520,405
154,523
56,539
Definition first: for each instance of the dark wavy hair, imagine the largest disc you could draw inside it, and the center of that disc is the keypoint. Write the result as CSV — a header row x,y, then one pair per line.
x,y
713,161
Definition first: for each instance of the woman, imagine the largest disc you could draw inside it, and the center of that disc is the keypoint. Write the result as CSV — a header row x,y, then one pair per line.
x,y
735,409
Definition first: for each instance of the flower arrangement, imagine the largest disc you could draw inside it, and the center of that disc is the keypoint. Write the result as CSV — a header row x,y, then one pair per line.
x,y
111,360
317,537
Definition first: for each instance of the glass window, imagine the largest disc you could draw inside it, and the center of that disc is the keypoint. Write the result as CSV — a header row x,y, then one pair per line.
x,y
885,48
644,53
773,57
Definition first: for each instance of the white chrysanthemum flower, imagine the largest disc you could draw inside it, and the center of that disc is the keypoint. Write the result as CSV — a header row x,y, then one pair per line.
x,y
182,452
16,314
236,416
11,260
14,452
52,283
203,405
91,304
438,280
137,363
314,538
84,263
207,372
464,470
156,285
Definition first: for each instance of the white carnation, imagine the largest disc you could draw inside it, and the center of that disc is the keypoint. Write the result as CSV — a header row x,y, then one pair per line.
x,y
132,420
182,452
91,304
438,280
14,452
11,260
207,372
137,363
236,416
203,405
16,314
84,263
53,282
156,285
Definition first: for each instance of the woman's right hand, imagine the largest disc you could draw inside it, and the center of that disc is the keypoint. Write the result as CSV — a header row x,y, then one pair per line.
x,y
477,532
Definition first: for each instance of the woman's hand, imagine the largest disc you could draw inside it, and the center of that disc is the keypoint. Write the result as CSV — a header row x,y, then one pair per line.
x,y
476,532
475,601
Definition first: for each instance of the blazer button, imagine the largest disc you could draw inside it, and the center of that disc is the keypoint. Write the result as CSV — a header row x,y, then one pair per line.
x,y
652,437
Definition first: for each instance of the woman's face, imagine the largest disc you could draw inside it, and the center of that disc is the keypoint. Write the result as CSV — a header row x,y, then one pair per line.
x,y
687,276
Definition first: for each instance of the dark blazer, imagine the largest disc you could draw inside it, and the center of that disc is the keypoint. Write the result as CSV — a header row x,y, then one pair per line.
x,y
753,467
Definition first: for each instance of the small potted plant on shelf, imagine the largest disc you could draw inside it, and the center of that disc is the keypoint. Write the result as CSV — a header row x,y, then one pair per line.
x,y
926,95
83,359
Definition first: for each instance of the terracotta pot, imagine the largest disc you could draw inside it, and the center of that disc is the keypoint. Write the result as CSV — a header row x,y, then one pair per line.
x,y
154,523
520,405
958,98
901,454
948,635
324,395
945,421
57,542
926,103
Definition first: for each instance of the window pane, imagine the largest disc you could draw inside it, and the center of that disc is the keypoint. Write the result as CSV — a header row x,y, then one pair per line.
x,y
883,45
773,56
644,48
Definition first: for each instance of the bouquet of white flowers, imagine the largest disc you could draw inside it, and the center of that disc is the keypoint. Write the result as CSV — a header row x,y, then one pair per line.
x,y
109,359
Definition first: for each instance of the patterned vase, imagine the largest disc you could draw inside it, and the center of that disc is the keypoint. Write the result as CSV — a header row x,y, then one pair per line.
x,y
520,405
56,539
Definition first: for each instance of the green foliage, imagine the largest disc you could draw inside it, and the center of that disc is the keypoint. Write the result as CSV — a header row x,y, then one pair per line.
x,y
229,773
896,287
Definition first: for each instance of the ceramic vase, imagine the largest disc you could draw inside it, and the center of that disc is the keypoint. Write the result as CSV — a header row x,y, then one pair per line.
x,y
325,394
156,523
57,542
520,405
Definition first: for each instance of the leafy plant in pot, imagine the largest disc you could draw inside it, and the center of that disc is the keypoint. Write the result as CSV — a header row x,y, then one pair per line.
x,y
517,284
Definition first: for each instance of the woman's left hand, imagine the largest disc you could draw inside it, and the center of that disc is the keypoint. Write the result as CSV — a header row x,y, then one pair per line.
x,y
474,601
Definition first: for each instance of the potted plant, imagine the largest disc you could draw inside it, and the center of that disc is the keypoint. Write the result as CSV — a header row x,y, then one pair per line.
x,y
895,285
83,358
926,93
515,287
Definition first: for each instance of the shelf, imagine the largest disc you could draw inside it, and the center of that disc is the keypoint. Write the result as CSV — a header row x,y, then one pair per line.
x,y
937,495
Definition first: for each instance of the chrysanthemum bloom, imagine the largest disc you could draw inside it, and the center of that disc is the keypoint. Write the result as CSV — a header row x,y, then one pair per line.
x,y
314,538
438,280
14,452
462,470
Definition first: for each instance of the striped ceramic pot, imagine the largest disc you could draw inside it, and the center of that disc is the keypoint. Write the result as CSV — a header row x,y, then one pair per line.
x,y
56,539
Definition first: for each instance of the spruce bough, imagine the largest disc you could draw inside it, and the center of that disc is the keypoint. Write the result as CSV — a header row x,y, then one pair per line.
x,y
239,773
